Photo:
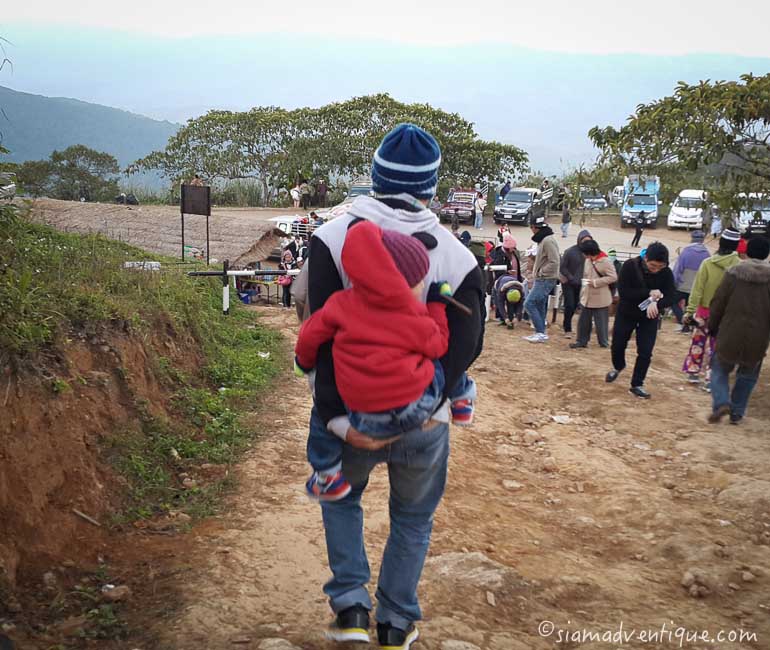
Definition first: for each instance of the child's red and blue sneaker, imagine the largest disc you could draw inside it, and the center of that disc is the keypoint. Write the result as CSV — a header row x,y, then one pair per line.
x,y
332,487
462,412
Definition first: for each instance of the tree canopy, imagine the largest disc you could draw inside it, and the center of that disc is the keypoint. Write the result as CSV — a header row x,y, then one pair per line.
x,y
278,146
73,173
720,130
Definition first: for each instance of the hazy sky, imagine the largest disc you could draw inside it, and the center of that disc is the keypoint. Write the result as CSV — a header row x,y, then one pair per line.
x,y
538,77
597,26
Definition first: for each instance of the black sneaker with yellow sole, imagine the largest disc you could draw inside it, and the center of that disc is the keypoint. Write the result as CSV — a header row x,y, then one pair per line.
x,y
351,625
394,638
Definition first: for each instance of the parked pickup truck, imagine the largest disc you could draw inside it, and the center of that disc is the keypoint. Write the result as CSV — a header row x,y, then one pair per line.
x,y
292,226
519,206
460,200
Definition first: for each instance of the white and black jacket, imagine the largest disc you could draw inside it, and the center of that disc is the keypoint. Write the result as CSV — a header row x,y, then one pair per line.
x,y
450,261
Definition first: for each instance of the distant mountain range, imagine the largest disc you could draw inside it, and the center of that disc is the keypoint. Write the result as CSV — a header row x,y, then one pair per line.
x,y
32,126
542,101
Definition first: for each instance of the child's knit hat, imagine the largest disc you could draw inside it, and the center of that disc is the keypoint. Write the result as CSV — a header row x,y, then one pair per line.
x,y
409,255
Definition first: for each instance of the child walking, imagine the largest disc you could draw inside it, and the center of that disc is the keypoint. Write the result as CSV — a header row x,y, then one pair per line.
x,y
387,343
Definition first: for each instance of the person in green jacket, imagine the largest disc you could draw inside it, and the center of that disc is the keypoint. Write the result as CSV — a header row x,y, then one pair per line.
x,y
697,363
711,272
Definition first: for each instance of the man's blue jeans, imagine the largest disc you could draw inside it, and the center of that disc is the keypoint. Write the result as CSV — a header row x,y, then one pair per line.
x,y
536,303
745,380
417,468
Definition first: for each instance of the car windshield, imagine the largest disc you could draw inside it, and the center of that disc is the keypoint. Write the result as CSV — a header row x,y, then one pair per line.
x,y
760,206
518,197
689,203
591,196
642,199
461,197
359,190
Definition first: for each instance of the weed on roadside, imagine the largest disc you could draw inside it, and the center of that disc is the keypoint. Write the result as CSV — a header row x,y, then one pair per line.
x,y
54,283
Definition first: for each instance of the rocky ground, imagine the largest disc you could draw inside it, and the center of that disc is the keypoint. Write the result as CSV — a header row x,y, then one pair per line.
x,y
571,507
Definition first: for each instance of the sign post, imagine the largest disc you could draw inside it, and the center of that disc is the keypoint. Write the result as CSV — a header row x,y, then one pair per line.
x,y
196,199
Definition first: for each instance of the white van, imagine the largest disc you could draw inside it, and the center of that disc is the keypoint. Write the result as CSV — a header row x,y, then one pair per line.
x,y
687,209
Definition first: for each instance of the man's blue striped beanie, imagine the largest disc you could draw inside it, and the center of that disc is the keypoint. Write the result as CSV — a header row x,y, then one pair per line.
x,y
407,161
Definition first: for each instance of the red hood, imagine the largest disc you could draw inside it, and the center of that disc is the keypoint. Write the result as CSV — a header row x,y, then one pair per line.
x,y
371,269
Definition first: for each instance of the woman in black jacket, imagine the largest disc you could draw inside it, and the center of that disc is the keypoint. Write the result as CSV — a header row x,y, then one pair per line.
x,y
641,279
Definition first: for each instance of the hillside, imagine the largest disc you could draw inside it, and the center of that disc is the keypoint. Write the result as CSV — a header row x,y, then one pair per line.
x,y
33,126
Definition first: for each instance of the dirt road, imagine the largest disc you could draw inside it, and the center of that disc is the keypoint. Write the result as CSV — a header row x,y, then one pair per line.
x,y
589,523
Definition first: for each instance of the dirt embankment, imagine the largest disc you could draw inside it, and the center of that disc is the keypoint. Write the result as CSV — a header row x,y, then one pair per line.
x,y
157,228
58,416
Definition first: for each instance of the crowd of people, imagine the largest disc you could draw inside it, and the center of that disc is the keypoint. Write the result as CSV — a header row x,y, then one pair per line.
x,y
394,313
306,193
595,285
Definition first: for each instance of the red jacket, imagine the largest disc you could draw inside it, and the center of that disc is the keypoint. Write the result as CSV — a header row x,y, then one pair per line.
x,y
385,340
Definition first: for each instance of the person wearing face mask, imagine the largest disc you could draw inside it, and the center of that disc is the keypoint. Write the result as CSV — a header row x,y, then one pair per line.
x,y
646,287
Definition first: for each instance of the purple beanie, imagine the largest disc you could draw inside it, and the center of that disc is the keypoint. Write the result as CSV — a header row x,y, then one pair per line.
x,y
409,255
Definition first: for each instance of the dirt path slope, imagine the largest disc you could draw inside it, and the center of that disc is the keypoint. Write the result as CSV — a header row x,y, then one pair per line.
x,y
588,524
157,228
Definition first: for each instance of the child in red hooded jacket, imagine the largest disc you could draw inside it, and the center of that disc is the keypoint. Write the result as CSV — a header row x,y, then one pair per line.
x,y
387,343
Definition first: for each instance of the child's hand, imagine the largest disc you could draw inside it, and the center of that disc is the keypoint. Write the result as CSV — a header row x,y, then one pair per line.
x,y
299,371
438,290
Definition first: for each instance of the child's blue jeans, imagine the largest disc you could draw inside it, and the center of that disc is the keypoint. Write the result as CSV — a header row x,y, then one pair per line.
x,y
324,449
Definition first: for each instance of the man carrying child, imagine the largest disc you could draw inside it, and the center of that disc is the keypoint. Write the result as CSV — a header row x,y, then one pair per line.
x,y
404,175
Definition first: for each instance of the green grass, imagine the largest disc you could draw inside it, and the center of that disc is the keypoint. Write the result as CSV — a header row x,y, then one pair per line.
x,y
53,284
